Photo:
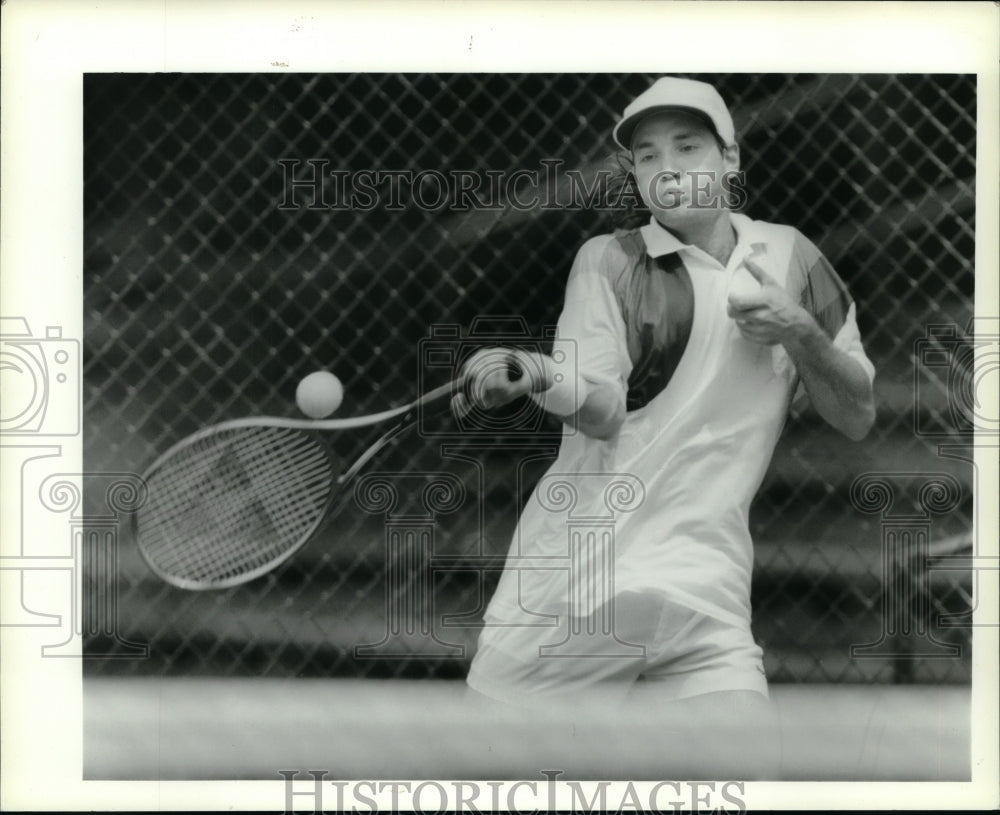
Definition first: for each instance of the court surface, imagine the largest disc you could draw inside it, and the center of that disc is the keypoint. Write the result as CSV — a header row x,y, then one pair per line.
x,y
201,729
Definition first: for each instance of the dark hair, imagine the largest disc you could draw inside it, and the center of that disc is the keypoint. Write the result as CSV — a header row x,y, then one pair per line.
x,y
622,187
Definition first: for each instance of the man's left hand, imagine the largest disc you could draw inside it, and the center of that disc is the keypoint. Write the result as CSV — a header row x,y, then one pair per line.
x,y
770,316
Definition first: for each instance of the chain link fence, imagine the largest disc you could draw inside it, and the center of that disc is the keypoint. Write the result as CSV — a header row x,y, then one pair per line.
x,y
216,277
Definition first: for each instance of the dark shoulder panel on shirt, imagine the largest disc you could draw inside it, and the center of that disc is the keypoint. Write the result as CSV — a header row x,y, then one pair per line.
x,y
612,254
615,257
824,294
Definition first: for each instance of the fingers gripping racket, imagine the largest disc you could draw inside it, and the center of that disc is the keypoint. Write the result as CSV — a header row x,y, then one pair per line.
x,y
233,501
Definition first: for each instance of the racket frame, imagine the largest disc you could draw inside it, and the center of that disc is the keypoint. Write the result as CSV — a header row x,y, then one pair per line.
x,y
408,415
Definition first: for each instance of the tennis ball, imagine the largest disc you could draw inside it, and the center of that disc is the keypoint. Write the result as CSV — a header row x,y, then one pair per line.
x,y
319,394
743,285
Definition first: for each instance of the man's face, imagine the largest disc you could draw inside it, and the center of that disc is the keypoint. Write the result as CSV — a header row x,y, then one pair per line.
x,y
679,167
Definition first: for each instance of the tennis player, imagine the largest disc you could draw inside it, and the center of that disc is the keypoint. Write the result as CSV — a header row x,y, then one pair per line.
x,y
692,334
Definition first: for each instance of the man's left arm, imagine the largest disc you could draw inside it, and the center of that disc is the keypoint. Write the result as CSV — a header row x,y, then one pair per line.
x,y
837,384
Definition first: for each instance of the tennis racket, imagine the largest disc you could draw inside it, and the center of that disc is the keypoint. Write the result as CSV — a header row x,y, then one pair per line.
x,y
233,501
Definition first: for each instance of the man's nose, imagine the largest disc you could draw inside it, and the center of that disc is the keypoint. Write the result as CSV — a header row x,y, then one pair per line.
x,y
668,174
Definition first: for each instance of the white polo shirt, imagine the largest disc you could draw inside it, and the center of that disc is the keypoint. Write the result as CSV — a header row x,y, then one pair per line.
x,y
664,505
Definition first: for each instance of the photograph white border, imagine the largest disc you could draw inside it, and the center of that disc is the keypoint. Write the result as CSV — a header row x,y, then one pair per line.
x,y
47,46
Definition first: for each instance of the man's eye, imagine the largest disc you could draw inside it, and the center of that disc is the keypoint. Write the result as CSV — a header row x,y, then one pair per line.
x,y
645,159
689,148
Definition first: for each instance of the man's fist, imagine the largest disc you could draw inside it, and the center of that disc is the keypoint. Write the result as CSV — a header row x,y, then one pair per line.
x,y
492,377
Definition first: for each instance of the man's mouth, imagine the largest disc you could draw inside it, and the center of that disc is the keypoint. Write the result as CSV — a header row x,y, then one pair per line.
x,y
670,197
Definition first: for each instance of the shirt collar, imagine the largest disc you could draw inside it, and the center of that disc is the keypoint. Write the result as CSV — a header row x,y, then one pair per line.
x,y
661,241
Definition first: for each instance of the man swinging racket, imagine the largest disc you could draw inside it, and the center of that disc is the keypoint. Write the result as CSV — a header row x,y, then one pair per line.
x,y
692,335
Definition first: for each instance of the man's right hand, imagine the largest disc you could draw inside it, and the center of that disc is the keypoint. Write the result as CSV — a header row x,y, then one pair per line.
x,y
492,377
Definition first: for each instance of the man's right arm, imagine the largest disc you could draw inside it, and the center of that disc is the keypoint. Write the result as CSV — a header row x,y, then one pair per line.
x,y
596,408
495,376
585,388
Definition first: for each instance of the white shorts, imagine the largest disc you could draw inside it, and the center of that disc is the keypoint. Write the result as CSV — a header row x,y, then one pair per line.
x,y
651,639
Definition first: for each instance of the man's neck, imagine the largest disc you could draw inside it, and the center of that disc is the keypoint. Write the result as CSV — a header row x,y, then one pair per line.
x,y
716,238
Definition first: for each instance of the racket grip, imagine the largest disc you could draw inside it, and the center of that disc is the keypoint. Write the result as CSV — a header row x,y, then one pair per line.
x,y
515,371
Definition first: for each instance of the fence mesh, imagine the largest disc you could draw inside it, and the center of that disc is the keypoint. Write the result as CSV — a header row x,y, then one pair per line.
x,y
213,283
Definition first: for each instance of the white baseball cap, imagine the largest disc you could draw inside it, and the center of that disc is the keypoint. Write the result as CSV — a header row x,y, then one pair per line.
x,y
674,93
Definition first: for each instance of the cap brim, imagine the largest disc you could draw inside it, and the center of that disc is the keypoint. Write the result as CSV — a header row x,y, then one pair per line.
x,y
625,129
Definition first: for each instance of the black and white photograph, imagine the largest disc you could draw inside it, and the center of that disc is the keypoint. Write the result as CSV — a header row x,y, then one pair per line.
x,y
431,436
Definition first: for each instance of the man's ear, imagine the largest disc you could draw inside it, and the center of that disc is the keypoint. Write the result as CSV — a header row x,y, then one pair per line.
x,y
731,157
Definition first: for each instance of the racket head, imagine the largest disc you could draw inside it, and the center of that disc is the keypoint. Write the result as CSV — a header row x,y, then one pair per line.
x,y
231,503
235,500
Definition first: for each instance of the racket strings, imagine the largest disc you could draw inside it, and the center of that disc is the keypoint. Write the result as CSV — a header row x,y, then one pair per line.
x,y
238,528
233,503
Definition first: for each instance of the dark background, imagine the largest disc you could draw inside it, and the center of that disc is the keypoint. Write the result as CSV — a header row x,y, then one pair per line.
x,y
205,301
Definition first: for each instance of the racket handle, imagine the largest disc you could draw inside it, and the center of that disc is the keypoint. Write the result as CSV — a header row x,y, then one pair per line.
x,y
515,371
